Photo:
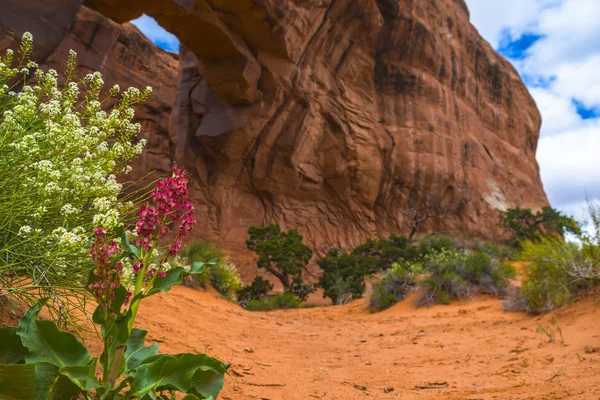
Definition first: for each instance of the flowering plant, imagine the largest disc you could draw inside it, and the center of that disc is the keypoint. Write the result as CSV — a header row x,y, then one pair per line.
x,y
37,361
60,153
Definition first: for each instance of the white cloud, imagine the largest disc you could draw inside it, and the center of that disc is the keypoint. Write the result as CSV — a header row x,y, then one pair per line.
x,y
559,113
570,165
567,59
492,17
156,33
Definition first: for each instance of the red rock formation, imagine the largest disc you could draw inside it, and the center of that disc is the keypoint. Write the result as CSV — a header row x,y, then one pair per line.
x,y
326,115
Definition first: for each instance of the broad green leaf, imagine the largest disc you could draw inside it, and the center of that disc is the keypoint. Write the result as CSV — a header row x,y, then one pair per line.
x,y
12,350
120,231
46,343
207,383
197,267
99,316
136,351
174,277
177,372
64,389
34,381
191,397
84,376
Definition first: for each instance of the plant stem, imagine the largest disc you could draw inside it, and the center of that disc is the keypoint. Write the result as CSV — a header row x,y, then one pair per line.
x,y
115,365
104,356
138,288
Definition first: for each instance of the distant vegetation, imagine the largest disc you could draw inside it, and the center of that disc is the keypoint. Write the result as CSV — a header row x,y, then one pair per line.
x,y
218,271
555,271
256,291
521,224
436,266
283,255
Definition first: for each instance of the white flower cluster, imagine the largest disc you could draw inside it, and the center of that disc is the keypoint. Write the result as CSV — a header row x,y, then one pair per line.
x,y
61,153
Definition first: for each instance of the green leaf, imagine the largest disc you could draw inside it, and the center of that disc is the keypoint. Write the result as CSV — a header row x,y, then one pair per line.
x,y
64,389
120,231
179,372
84,376
136,352
207,383
117,335
197,267
35,381
174,277
12,350
46,343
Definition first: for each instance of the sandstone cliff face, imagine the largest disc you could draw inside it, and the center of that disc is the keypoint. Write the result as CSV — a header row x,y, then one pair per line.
x,y
326,115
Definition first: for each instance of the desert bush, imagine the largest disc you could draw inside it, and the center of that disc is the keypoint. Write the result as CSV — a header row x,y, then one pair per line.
x,y
60,153
38,361
224,277
522,224
283,255
393,287
343,276
219,272
457,274
257,290
201,251
554,271
379,255
436,243
279,301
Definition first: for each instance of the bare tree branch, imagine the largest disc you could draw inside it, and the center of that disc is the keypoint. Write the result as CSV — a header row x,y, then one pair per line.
x,y
419,211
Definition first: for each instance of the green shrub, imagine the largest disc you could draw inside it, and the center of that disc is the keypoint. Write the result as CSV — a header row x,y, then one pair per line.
x,y
201,251
60,154
218,272
522,224
415,267
436,243
279,301
379,255
224,277
554,271
257,290
283,255
393,287
497,252
458,274
343,277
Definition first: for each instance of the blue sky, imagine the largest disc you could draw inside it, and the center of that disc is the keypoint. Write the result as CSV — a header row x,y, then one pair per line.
x,y
156,33
555,46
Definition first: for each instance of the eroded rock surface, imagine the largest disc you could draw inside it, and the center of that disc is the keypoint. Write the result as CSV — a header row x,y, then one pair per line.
x,y
324,115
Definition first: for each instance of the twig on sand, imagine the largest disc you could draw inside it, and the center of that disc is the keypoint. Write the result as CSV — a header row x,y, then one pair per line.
x,y
561,372
434,385
265,384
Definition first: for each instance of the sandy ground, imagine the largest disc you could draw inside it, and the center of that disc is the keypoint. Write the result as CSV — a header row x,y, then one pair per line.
x,y
467,350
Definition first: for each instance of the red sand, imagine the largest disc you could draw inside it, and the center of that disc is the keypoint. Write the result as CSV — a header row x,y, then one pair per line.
x,y
345,352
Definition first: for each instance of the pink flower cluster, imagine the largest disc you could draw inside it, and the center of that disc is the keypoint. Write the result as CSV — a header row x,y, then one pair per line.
x,y
171,205
109,274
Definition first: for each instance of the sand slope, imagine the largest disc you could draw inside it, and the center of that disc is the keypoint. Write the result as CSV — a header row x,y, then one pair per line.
x,y
346,353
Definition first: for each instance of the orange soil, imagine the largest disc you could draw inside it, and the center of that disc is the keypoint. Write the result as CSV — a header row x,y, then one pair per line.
x,y
345,352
